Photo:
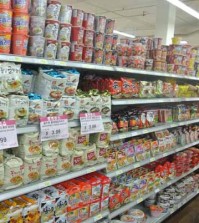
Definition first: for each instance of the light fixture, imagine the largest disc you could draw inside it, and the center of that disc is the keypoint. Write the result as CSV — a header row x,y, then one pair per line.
x,y
184,7
123,34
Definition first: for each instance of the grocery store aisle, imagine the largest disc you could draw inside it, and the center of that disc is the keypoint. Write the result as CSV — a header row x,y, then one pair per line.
x,y
187,214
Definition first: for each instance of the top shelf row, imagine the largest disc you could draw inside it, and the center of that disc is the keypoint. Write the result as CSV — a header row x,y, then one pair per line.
x,y
93,67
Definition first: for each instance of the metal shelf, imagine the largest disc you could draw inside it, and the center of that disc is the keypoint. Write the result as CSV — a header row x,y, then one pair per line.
x,y
151,101
152,159
171,211
87,66
149,130
126,207
35,128
97,217
48,182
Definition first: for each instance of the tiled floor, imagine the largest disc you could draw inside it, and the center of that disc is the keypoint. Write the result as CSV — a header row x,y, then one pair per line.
x,y
187,214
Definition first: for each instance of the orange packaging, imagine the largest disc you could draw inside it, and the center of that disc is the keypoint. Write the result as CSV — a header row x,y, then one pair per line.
x,y
5,4
114,87
114,200
19,44
105,184
21,23
85,191
5,42
73,194
20,5
84,212
5,20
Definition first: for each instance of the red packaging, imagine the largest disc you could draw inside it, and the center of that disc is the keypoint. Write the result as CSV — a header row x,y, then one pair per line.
x,y
124,49
88,38
87,54
114,200
77,17
108,40
5,4
138,49
107,57
105,184
77,35
110,23
20,6
114,42
76,52
19,44
137,62
114,86
100,24
98,56
89,21
99,40
122,61
20,23
127,87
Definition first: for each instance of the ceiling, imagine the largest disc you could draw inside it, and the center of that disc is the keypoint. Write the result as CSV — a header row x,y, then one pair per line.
x,y
138,17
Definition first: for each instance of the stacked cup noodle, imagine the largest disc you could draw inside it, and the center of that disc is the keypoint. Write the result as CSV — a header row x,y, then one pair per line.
x,y
14,25
37,28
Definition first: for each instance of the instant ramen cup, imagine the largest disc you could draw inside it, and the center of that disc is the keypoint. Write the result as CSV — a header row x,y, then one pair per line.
x,y
77,35
5,42
88,38
50,51
36,46
38,8
53,9
65,14
110,23
5,20
100,24
52,29
64,32
89,21
20,6
87,54
76,52
19,44
5,4
63,51
20,23
98,56
77,17
99,40
37,26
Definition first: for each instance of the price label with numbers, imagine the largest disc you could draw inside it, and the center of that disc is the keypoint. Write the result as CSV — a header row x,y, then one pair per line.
x,y
8,134
54,128
91,123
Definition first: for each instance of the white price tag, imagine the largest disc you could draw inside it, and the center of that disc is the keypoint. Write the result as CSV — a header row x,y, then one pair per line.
x,y
54,128
8,134
97,217
91,123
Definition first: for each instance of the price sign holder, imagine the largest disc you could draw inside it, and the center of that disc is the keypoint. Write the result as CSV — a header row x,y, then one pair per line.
x,y
91,123
54,128
8,134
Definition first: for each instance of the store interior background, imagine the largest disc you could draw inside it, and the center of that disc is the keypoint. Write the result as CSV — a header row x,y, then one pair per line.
x,y
139,17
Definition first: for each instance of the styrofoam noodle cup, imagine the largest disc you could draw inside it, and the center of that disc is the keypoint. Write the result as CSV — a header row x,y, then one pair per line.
x,y
5,42
100,24
19,44
77,17
5,20
65,14
53,9
88,38
77,35
20,23
89,21
5,4
87,55
50,51
36,46
20,5
76,52
37,26
38,8
63,51
64,32
52,29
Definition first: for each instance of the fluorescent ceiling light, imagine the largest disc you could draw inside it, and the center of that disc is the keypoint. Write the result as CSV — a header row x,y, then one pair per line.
x,y
184,7
123,34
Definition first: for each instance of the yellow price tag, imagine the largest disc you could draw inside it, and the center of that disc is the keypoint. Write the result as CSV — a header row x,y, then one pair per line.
x,y
44,61
152,159
97,217
18,59
90,170
136,165
139,200
164,154
118,172
145,131
47,184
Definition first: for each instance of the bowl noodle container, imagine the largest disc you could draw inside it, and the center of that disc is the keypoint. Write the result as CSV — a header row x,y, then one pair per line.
x,y
19,44
87,54
20,5
64,32
36,46
65,14
37,26
52,29
76,52
63,51
5,20
5,42
89,21
20,23
88,38
77,35
53,9
100,24
77,17
50,51
38,8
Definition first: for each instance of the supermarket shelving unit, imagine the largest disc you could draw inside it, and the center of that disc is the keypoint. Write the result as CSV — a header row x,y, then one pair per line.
x,y
116,71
